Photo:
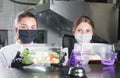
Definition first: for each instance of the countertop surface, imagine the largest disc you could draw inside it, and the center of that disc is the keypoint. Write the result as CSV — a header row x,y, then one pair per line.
x,y
92,71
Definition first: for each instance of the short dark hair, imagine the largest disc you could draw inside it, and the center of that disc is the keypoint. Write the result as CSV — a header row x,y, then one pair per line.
x,y
80,20
24,14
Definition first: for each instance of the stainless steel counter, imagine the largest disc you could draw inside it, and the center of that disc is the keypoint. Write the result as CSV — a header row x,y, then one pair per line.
x,y
92,71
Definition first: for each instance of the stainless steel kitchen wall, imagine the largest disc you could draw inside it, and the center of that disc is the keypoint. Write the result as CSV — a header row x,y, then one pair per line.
x,y
104,15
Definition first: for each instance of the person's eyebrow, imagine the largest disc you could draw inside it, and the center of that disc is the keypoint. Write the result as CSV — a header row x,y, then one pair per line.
x,y
24,24
34,25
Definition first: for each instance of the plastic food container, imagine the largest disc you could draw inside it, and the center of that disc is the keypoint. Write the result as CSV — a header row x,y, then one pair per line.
x,y
94,51
40,54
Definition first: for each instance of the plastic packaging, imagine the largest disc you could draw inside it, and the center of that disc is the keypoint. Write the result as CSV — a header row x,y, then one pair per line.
x,y
41,54
94,51
110,62
84,52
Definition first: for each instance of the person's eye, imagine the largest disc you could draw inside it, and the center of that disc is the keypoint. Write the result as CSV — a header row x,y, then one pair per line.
x,y
23,27
79,30
33,27
88,30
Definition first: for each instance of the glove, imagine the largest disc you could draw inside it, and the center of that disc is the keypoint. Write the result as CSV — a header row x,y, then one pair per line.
x,y
17,61
110,62
73,60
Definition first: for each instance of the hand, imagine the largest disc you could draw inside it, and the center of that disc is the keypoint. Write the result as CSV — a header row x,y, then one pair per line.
x,y
17,61
74,59
110,62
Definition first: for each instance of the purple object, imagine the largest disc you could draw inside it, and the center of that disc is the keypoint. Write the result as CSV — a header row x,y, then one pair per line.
x,y
73,61
108,68
110,62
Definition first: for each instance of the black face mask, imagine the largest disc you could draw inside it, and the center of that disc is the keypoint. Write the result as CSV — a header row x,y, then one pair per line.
x,y
27,36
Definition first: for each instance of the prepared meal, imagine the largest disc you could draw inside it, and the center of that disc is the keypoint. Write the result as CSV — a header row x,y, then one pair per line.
x,y
94,51
40,54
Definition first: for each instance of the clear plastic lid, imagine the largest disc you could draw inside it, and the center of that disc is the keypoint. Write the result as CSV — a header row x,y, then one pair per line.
x,y
94,51
40,54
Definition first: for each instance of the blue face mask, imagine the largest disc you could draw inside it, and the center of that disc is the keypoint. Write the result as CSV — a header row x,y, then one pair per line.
x,y
27,36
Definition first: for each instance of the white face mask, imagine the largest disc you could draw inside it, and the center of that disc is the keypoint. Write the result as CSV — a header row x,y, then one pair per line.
x,y
83,38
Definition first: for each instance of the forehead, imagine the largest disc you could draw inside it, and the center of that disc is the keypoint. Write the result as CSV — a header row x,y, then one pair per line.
x,y
84,25
28,19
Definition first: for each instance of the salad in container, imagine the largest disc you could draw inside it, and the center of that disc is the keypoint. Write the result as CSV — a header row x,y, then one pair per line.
x,y
40,54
